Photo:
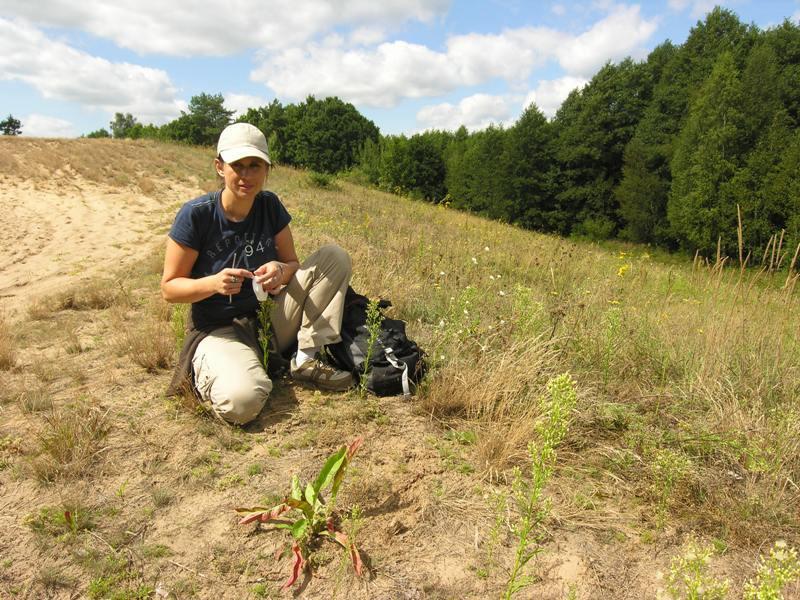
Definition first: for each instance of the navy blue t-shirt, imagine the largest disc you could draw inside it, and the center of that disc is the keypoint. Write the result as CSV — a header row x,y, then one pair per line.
x,y
201,225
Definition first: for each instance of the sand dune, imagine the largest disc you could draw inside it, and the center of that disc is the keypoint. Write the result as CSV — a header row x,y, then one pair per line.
x,y
66,229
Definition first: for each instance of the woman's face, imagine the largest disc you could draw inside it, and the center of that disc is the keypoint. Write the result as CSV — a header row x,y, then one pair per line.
x,y
244,177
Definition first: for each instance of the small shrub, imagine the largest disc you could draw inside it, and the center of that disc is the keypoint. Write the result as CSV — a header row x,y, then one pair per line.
x,y
527,493
322,181
669,469
689,575
70,518
777,570
374,320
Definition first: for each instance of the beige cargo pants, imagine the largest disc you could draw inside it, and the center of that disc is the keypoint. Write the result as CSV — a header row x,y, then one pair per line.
x,y
228,373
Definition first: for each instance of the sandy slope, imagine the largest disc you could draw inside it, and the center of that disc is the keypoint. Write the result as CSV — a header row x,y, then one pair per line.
x,y
63,229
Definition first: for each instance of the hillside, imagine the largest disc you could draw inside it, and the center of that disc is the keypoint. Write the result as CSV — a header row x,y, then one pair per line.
x,y
685,424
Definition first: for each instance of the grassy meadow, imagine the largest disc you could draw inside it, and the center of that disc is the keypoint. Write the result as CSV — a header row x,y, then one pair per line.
x,y
674,466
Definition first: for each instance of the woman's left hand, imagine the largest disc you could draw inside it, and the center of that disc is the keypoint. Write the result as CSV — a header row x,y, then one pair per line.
x,y
270,276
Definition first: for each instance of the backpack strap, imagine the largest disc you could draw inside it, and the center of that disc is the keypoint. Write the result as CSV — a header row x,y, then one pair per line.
x,y
399,364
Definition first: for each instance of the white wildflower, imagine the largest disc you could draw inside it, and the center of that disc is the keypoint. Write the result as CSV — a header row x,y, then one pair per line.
x,y
474,261
502,293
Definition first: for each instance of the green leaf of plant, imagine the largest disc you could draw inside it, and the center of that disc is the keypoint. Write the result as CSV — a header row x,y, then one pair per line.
x,y
311,495
337,479
307,509
329,470
297,493
299,528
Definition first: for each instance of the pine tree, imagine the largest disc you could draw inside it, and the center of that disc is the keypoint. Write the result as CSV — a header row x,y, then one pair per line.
x,y
11,126
679,73
593,127
702,206
530,161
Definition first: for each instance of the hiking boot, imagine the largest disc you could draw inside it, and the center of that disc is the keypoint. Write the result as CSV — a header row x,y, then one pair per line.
x,y
320,375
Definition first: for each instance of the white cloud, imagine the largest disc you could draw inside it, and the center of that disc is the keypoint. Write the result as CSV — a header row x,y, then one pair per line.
x,y
61,72
383,75
558,9
377,78
239,103
210,27
549,95
511,55
699,7
36,125
620,34
475,112
367,36
796,17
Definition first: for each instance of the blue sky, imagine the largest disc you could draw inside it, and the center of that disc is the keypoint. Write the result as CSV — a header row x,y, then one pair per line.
x,y
409,65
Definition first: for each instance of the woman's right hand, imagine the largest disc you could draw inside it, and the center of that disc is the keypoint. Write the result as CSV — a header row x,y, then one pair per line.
x,y
229,281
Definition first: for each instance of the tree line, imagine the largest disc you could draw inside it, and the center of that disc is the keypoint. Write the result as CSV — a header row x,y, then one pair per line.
x,y
324,135
672,151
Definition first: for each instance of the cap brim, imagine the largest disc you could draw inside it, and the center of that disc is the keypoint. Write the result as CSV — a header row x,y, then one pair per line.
x,y
233,154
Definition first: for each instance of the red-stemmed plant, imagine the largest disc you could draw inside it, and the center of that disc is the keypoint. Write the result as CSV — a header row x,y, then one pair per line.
x,y
307,515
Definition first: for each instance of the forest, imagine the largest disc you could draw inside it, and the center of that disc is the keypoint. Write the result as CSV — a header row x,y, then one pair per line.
x,y
695,149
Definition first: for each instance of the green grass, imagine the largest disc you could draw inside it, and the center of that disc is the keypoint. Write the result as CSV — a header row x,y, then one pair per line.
x,y
687,356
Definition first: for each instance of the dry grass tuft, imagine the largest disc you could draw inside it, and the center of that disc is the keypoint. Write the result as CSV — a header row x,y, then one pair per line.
x,y
146,185
162,496
501,399
69,442
91,294
35,399
42,308
8,350
72,343
149,342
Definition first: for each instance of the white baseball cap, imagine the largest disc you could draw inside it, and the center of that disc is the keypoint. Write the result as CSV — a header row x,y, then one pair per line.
x,y
241,140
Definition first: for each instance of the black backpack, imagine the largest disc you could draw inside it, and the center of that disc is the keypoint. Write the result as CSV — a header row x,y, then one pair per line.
x,y
396,363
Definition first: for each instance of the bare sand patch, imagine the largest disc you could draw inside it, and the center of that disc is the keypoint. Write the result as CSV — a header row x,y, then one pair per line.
x,y
57,232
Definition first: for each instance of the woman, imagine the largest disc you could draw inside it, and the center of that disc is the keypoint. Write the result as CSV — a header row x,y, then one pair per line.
x,y
224,247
